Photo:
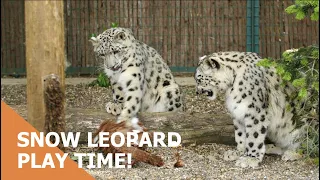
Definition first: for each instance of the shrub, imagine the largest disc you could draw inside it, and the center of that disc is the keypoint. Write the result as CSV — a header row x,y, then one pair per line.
x,y
302,8
300,68
102,81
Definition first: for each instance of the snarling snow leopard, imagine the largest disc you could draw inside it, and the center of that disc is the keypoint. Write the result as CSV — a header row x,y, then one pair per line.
x,y
257,103
141,80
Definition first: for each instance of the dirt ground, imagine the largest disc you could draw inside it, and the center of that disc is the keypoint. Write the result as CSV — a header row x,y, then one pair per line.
x,y
201,162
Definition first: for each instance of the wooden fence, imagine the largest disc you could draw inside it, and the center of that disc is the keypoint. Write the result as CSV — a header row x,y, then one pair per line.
x,y
181,30
13,52
280,31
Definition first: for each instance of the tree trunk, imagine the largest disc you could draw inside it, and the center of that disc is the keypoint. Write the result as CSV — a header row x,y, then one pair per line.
x,y
45,53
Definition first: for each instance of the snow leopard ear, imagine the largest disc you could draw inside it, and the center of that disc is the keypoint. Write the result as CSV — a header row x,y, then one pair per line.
x,y
129,34
212,63
130,31
95,42
202,57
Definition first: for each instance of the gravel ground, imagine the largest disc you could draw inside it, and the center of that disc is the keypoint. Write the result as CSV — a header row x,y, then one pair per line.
x,y
93,97
201,162
206,162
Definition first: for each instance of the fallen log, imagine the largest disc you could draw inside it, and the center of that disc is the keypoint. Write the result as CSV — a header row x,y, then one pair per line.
x,y
194,128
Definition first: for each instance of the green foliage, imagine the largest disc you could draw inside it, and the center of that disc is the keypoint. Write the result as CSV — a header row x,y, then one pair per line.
x,y
266,63
303,8
310,146
316,161
300,68
102,81
114,24
300,82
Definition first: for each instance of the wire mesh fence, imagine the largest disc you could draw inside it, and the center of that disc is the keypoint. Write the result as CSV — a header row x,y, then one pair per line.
x,y
180,30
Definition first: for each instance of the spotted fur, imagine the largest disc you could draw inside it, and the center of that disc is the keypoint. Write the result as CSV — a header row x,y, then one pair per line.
x,y
256,101
141,80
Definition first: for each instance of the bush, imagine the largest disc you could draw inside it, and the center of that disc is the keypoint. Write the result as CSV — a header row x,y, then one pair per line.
x,y
300,68
102,81
302,8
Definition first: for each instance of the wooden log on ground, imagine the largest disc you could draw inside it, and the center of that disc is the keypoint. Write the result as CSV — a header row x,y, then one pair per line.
x,y
194,128
45,53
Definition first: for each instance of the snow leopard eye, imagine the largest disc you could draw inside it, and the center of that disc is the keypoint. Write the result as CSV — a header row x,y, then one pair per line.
x,y
121,36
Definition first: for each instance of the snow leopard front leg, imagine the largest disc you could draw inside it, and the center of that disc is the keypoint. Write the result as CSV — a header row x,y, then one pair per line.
x,y
240,138
256,125
115,107
131,81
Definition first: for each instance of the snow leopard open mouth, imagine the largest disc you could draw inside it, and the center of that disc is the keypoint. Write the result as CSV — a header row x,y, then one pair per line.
x,y
209,93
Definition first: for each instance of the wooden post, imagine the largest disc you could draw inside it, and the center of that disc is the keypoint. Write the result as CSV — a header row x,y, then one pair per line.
x,y
45,53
